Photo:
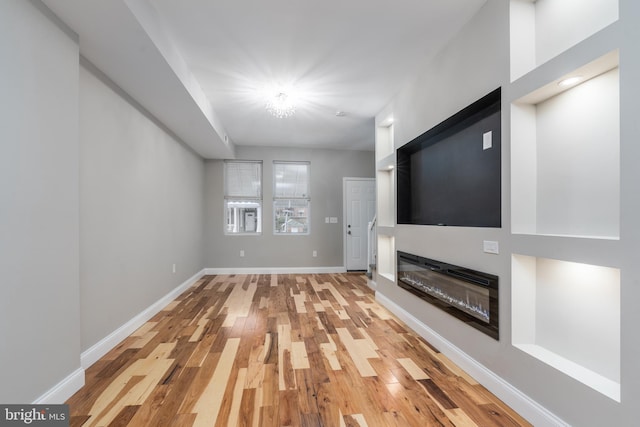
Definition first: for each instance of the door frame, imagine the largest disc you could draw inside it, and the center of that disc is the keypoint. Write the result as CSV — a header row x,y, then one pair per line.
x,y
344,212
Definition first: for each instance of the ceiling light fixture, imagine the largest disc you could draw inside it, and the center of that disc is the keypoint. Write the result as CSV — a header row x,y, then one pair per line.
x,y
281,105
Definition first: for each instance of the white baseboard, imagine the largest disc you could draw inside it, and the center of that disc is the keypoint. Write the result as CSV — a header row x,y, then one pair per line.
x,y
372,284
276,270
63,390
96,351
518,401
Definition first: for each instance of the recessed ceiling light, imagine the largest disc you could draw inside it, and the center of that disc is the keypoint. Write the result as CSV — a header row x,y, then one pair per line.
x,y
390,167
570,81
340,114
386,122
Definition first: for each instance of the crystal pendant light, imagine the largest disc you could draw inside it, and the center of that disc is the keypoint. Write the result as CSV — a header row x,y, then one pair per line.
x,y
281,105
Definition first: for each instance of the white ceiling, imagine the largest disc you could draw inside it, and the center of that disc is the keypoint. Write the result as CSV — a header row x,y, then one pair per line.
x,y
198,65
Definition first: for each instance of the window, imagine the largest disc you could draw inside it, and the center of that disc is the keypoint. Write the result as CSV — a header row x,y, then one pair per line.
x,y
291,201
242,197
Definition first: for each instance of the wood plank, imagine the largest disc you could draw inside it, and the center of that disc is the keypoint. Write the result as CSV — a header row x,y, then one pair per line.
x,y
306,392
249,410
355,420
396,419
414,370
359,351
124,416
288,409
299,358
208,406
142,330
234,413
183,420
174,397
328,405
438,395
460,418
329,352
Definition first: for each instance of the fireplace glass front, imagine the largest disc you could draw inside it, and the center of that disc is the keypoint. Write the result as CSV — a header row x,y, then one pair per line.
x,y
469,295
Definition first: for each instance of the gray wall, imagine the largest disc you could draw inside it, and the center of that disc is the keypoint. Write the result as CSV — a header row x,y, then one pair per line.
x,y
141,206
473,64
328,167
97,202
39,272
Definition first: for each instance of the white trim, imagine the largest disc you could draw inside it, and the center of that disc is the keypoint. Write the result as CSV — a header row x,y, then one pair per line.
x,y
102,347
276,270
520,402
62,391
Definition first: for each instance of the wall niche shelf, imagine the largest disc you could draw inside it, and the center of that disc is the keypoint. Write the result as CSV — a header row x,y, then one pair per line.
x,y
565,158
567,315
542,29
387,257
384,139
385,173
385,181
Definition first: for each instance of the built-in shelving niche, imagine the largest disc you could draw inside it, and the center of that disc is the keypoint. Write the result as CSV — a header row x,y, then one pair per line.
x,y
542,29
385,173
385,184
565,155
386,218
567,315
384,139
385,180
565,181
387,257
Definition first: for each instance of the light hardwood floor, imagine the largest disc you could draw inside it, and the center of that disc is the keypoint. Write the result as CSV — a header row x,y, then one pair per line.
x,y
281,350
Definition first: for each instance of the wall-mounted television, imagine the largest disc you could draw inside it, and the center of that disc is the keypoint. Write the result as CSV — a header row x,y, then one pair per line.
x,y
451,174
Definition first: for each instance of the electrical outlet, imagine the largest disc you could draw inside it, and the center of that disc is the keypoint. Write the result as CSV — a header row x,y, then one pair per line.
x,y
487,140
333,220
491,247
315,253
241,252
326,220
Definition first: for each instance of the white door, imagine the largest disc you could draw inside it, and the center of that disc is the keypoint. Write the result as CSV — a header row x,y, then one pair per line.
x,y
360,207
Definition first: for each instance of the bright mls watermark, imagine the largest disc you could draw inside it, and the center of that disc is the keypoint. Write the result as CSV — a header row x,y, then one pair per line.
x,y
34,415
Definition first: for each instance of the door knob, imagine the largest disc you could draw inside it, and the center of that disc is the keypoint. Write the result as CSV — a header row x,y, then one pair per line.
x,y
348,232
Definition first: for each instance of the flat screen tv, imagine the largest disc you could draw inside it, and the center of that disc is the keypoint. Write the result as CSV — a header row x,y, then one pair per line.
x,y
451,174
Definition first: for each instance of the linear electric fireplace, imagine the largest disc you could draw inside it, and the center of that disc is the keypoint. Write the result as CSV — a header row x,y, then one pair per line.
x,y
469,295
